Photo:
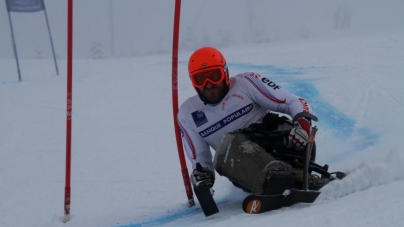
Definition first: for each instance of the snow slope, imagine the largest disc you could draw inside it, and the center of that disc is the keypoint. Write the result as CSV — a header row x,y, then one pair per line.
x,y
125,169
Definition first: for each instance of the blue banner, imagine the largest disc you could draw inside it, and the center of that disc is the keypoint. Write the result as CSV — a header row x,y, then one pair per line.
x,y
26,6
225,121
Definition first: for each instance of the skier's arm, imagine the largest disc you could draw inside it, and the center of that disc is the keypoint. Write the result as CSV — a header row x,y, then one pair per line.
x,y
271,96
196,148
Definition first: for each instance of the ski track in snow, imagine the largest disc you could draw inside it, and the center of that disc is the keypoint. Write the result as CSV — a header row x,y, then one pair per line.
x,y
189,213
365,176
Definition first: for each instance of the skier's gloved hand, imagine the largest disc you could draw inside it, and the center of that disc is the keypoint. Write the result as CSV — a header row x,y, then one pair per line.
x,y
299,134
202,175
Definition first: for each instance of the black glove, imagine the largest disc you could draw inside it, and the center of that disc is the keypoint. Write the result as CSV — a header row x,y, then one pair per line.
x,y
202,175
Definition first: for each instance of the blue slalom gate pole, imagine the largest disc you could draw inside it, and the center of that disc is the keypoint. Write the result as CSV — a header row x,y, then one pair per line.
x,y
50,38
14,45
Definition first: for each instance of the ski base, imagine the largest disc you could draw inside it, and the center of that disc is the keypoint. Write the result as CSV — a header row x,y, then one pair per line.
x,y
206,200
255,204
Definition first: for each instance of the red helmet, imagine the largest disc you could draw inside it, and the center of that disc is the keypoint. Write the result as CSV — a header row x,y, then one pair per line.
x,y
207,64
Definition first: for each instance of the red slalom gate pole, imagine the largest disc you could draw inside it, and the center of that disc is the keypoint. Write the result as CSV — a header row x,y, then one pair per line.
x,y
66,217
184,170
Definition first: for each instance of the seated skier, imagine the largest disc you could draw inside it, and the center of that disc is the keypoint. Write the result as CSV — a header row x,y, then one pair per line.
x,y
226,113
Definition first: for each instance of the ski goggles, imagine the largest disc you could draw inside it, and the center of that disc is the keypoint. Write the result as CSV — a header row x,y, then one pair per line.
x,y
213,75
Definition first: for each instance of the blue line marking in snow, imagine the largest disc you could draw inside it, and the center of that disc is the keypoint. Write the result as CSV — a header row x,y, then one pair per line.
x,y
271,69
343,126
164,219
172,216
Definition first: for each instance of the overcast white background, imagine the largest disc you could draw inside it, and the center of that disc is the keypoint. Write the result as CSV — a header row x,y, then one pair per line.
x,y
125,168
124,28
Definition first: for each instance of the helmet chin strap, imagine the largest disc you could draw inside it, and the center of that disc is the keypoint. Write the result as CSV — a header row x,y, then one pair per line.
x,y
206,102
